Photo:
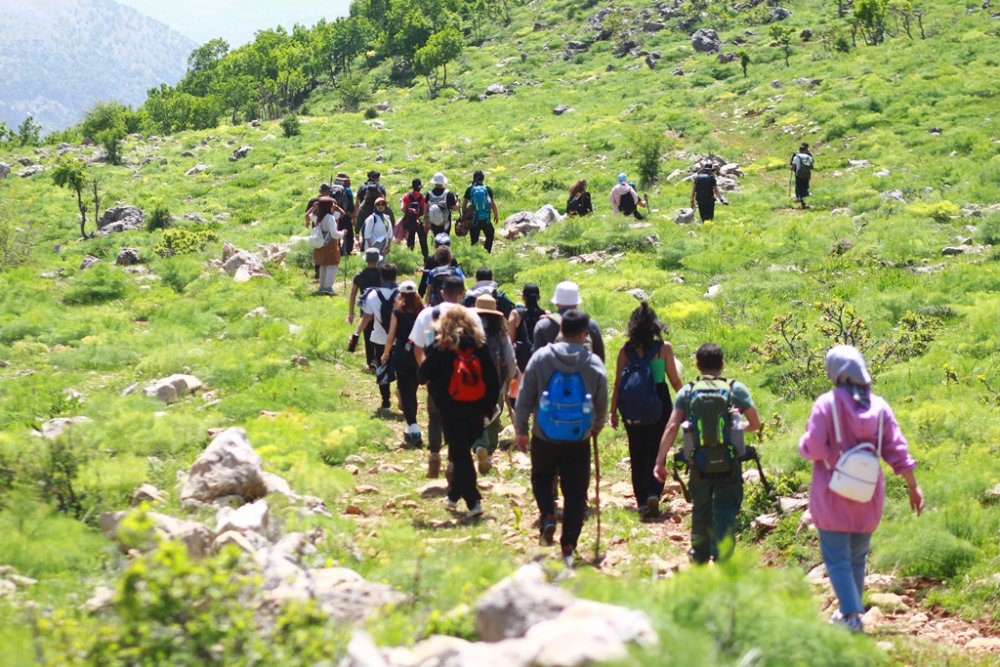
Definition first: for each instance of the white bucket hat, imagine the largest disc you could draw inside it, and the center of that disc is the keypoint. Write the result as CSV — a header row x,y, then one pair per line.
x,y
439,179
567,294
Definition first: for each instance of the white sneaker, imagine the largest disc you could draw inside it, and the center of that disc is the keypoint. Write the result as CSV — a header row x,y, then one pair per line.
x,y
450,504
477,510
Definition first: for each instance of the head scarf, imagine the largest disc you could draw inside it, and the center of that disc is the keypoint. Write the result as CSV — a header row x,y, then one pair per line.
x,y
846,368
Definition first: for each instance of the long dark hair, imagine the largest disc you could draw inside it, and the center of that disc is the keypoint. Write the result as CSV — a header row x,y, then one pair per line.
x,y
644,327
409,302
578,188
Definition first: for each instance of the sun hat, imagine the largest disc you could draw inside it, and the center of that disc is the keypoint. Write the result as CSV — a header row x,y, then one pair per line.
x,y
407,287
487,305
373,255
442,239
567,294
439,179
380,200
622,177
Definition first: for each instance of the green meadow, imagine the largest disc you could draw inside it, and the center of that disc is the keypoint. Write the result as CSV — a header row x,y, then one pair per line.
x,y
855,267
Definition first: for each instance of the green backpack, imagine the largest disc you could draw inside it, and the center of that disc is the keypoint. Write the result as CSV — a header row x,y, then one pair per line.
x,y
708,441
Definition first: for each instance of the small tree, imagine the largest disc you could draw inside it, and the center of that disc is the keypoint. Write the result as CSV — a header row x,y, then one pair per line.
x,y
744,62
649,160
354,90
29,133
783,37
6,134
431,60
290,125
70,174
871,16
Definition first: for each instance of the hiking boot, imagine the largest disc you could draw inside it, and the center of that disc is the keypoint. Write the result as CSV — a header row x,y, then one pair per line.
x,y
483,458
547,538
433,465
450,504
474,511
652,507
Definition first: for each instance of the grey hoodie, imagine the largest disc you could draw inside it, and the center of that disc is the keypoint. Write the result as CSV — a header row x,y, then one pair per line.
x,y
568,358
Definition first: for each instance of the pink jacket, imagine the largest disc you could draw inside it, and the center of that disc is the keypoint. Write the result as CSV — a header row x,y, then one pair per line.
x,y
618,191
818,444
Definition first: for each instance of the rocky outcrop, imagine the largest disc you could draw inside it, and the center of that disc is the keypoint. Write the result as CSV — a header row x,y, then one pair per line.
x,y
171,388
240,153
11,582
706,40
4,170
31,171
497,89
243,265
53,428
121,219
525,222
228,467
197,169
127,257
195,536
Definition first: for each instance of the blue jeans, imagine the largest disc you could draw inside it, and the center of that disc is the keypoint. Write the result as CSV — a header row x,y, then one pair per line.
x,y
844,555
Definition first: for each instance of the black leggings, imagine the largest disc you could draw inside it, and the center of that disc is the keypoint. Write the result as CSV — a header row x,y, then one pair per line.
x,y
383,389
461,429
643,445
413,234
406,384
572,463
488,232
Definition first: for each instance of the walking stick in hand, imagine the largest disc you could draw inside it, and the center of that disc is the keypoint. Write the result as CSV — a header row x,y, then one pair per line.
x,y
597,499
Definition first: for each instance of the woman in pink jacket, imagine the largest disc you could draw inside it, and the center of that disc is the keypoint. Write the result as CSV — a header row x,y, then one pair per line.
x,y
846,526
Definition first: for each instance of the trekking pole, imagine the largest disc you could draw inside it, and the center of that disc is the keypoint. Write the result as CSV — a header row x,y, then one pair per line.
x,y
790,182
597,498
679,480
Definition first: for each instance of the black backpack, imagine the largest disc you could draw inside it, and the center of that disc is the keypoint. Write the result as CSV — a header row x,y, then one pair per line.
x,y
435,281
526,334
704,186
402,352
626,203
386,307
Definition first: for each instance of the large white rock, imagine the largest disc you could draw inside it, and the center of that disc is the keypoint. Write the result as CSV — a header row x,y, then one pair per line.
x,y
195,536
169,389
684,216
253,517
53,428
512,606
228,466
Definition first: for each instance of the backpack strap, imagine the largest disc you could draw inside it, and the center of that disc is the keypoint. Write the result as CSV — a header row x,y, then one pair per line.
x,y
838,434
881,421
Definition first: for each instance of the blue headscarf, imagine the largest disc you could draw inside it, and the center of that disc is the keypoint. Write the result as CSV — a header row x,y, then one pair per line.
x,y
845,366
622,177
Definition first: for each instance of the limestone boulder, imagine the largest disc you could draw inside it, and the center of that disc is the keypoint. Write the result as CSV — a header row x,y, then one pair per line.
x,y
53,428
172,388
121,219
512,606
228,466
195,536
706,40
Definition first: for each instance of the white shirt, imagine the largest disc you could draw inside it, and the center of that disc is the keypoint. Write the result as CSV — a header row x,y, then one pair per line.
x,y
373,306
376,228
423,327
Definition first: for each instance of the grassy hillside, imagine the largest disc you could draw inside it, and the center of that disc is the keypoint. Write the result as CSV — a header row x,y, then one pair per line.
x,y
857,266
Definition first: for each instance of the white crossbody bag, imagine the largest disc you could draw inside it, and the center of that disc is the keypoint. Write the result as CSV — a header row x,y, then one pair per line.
x,y
855,475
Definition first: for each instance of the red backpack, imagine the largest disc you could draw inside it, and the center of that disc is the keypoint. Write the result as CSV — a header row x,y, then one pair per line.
x,y
467,384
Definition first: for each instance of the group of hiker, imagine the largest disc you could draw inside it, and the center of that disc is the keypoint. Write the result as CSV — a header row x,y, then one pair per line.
x,y
476,351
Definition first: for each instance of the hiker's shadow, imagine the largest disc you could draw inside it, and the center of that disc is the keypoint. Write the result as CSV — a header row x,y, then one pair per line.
x,y
457,520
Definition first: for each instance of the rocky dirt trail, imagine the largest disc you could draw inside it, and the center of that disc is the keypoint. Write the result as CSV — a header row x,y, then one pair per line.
x,y
384,488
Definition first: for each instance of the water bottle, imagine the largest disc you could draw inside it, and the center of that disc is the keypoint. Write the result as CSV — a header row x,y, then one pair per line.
x,y
544,402
737,435
688,442
588,405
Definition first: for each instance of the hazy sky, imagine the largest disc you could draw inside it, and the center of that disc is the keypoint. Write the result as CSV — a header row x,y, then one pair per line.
x,y
236,20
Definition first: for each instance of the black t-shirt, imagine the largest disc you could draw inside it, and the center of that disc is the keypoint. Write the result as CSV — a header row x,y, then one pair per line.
x,y
367,277
704,186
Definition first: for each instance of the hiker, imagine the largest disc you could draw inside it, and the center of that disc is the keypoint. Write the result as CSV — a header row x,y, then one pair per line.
x,y
377,308
323,211
841,419
706,410
579,200
642,396
486,285
440,203
414,208
431,263
404,364
477,205
624,198
446,266
502,355
346,201
704,191
364,281
563,426
801,165
566,297
522,321
423,333
367,195
378,231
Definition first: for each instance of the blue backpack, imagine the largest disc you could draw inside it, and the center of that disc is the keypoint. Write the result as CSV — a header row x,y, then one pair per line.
x,y
638,402
480,203
566,410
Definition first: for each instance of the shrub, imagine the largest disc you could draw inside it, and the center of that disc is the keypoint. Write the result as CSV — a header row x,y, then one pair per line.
x,y
989,230
354,91
371,113
649,161
160,219
290,126
179,272
939,211
96,285
181,241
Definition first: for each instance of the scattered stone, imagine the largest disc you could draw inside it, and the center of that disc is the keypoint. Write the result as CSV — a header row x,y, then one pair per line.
x,y
684,216
778,14
31,171
807,82
240,153
713,291
706,41
121,219
4,170
171,388
147,493
983,643
435,489
268,137
765,523
894,195
241,541
777,84
992,496
195,536
512,606
54,428
524,223
497,89
89,261
259,311
252,517
363,489
726,58
228,466
789,505
561,109
103,599
654,26
882,173
858,164
639,294
953,250
889,601
383,106
197,169
873,617
127,257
